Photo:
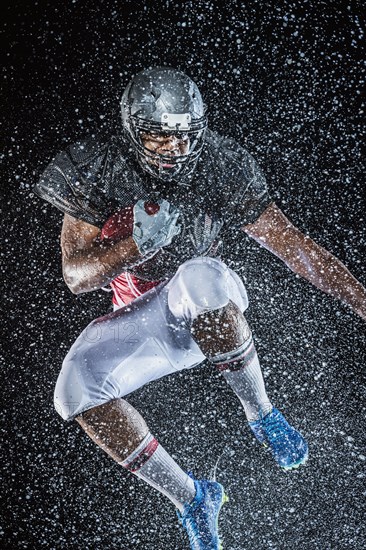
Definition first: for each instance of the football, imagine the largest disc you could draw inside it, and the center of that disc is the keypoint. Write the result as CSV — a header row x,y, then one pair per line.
x,y
120,224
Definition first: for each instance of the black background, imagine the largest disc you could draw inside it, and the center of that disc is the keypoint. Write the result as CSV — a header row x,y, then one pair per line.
x,y
285,79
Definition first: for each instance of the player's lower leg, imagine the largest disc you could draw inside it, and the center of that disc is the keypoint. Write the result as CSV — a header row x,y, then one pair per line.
x,y
224,336
122,432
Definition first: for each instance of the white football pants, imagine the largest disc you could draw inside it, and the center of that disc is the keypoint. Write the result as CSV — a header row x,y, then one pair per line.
x,y
145,340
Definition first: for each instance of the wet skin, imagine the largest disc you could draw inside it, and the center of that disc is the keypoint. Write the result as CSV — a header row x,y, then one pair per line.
x,y
165,144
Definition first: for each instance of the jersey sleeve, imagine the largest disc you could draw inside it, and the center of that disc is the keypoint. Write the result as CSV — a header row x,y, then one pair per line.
x,y
250,192
63,186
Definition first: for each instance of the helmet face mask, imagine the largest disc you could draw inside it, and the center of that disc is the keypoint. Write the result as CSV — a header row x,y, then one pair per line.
x,y
167,165
160,104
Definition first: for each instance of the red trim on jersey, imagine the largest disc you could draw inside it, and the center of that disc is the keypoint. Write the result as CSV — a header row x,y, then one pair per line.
x,y
126,287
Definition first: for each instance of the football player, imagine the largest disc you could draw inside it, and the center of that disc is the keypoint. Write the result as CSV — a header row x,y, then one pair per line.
x,y
144,213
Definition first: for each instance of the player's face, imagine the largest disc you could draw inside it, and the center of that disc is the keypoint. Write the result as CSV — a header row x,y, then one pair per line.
x,y
169,145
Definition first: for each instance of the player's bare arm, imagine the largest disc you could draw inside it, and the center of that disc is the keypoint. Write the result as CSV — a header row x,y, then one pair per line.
x,y
92,257
88,263
306,258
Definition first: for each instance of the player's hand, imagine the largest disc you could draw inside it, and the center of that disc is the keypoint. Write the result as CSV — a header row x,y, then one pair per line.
x,y
155,225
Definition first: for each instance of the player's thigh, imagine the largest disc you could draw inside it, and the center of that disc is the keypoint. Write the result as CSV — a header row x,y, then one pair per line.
x,y
121,352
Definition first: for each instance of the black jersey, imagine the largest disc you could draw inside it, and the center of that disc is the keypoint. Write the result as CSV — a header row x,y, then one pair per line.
x,y
227,190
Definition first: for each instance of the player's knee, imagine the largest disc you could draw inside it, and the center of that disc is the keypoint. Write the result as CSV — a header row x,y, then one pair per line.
x,y
68,390
200,285
80,386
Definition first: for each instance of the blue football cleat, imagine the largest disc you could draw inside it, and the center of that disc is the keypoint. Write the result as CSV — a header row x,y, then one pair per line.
x,y
287,445
200,517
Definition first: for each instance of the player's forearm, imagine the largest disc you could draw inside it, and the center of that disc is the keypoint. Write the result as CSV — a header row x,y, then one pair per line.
x,y
327,273
90,269
306,258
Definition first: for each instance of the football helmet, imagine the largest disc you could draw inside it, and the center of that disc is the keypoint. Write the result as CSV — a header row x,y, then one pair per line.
x,y
163,102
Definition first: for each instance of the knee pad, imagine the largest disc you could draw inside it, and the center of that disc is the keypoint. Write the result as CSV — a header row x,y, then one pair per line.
x,y
70,397
201,285
83,382
67,395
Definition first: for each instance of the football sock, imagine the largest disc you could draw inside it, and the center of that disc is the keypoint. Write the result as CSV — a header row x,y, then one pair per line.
x,y
242,371
153,464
